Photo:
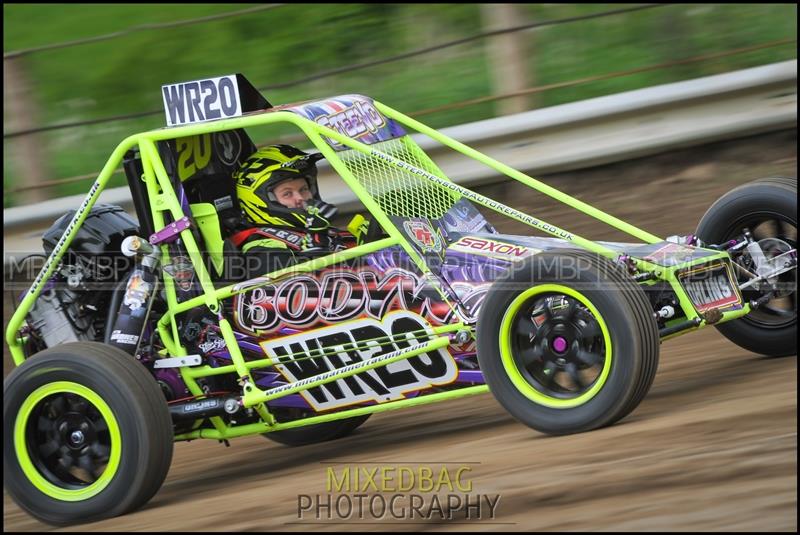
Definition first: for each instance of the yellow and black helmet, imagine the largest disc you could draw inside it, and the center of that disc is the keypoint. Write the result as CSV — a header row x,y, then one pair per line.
x,y
262,171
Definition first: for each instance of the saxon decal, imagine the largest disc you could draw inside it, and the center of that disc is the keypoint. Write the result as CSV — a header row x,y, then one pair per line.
x,y
492,248
310,353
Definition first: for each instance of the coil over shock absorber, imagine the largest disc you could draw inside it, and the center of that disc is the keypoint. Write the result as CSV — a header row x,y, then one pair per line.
x,y
203,408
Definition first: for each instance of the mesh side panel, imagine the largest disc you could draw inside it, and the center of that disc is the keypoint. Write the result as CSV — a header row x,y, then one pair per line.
x,y
397,191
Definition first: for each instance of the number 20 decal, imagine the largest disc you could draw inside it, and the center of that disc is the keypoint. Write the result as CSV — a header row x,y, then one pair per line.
x,y
194,153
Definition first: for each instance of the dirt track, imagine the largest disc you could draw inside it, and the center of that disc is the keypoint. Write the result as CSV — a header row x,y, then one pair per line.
x,y
712,447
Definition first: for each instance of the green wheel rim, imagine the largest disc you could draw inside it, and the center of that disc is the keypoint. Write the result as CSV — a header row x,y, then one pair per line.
x,y
23,450
511,366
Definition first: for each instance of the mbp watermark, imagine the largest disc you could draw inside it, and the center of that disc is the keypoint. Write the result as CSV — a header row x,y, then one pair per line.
x,y
398,493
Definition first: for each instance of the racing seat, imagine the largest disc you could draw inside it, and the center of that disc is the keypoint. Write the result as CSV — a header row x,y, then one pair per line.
x,y
203,165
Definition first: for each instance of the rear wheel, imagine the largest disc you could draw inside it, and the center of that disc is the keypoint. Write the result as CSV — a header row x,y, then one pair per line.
x,y
767,208
567,342
87,434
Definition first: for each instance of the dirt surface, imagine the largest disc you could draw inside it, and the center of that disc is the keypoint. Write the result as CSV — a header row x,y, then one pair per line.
x,y
713,446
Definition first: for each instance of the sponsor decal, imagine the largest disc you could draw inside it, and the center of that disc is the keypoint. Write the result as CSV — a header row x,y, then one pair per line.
x,y
122,338
421,233
229,146
338,295
462,209
223,203
200,405
354,116
492,248
137,291
182,271
201,100
463,217
212,345
335,347
709,286
354,121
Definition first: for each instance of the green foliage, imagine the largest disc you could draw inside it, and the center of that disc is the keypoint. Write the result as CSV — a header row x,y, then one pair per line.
x,y
293,41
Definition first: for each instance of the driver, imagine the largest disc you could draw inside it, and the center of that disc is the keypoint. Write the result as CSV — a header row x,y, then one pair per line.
x,y
278,193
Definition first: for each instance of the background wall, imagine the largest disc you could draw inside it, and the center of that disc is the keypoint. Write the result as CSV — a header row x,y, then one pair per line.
x,y
99,68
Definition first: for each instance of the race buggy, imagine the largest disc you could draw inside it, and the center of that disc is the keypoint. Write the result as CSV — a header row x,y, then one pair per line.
x,y
135,333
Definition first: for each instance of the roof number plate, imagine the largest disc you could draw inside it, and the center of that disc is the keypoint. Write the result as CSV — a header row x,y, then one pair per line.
x,y
201,100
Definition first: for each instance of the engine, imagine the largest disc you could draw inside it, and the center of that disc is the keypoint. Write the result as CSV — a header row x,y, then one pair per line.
x,y
74,304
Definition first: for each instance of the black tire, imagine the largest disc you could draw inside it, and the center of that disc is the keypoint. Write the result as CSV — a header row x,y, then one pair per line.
x,y
117,384
316,433
630,326
771,202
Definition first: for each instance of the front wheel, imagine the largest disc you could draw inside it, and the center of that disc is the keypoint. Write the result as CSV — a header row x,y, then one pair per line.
x,y
767,208
567,342
86,434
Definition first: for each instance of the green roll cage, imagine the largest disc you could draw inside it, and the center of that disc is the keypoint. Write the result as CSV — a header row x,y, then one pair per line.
x,y
162,198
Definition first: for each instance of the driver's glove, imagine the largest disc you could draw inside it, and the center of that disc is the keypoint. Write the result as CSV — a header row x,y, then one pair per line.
x,y
315,242
319,216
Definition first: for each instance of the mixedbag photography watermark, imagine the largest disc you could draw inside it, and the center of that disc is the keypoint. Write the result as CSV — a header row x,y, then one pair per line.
x,y
398,493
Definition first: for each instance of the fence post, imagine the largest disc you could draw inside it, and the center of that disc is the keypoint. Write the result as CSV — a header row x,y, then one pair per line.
x,y
28,153
508,57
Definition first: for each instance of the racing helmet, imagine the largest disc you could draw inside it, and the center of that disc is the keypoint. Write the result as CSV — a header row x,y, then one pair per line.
x,y
258,176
